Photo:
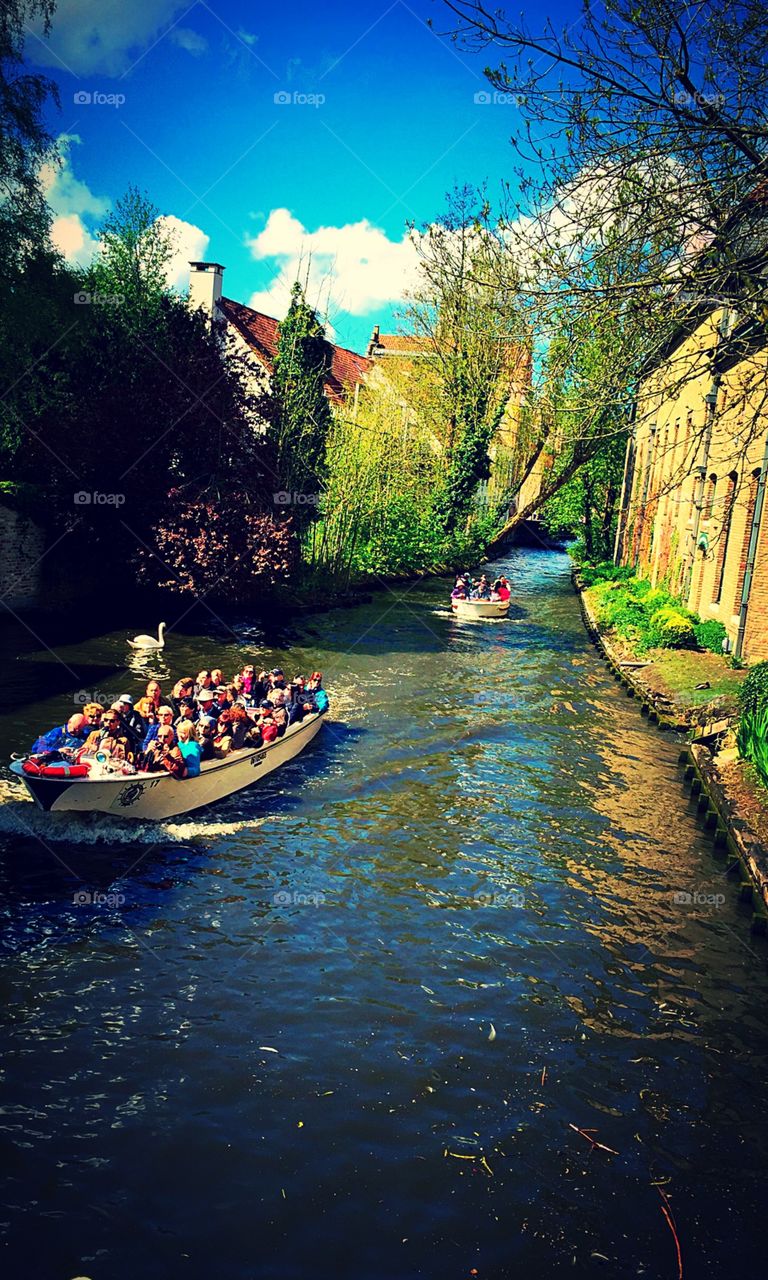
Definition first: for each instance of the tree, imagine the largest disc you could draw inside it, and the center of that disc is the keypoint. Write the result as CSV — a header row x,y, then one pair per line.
x,y
24,140
466,318
32,281
643,135
303,414
135,250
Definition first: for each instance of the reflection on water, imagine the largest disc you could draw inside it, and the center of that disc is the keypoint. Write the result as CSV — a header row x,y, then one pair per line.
x,y
351,1015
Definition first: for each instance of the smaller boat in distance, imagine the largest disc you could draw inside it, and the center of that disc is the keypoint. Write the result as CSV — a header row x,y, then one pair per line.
x,y
480,608
149,642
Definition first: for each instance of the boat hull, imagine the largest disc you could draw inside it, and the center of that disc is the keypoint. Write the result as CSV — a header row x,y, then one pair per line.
x,y
480,608
153,797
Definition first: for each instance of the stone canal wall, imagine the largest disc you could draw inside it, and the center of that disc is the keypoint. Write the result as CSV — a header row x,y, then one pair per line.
x,y
716,801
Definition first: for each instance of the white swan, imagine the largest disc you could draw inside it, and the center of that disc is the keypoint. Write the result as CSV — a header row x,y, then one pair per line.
x,y
148,642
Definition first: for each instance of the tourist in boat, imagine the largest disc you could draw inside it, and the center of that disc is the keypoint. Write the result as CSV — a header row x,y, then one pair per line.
x,y
132,717
164,720
203,681
483,590
187,713
206,703
72,734
317,692
206,728
150,703
267,726
183,689
222,741
109,739
501,589
126,730
248,680
189,748
163,754
217,677
459,591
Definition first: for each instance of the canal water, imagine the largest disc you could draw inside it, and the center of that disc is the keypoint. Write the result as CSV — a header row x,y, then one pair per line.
x,y
343,1025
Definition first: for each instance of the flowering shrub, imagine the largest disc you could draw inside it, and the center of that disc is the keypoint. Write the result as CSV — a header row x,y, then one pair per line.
x,y
222,548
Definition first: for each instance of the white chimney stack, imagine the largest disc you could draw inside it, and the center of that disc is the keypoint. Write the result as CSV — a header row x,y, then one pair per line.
x,y
205,281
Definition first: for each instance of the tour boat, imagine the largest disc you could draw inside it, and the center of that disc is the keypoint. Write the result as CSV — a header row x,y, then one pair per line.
x,y
154,796
480,608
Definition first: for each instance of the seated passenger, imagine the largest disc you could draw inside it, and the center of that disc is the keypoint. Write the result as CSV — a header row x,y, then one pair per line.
x,y
222,741
163,754
317,692
182,689
240,723
133,718
217,676
203,681
151,700
71,734
206,702
459,591
111,739
504,589
267,726
187,712
189,748
164,720
206,728
483,590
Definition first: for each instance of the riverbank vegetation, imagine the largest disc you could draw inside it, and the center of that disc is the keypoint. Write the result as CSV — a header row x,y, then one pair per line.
x,y
645,616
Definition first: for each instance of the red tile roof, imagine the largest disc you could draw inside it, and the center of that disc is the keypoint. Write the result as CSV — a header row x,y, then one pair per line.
x,y
261,333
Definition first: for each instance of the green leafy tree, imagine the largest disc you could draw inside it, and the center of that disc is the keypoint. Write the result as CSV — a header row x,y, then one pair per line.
x,y
34,284
468,321
302,419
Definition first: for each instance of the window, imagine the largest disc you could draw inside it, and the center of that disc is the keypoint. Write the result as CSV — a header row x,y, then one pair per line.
x,y
725,533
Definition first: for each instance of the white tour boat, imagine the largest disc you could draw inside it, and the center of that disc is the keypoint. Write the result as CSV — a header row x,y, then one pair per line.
x,y
480,608
154,796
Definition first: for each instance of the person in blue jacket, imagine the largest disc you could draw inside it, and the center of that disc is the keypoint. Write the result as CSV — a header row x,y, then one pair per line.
x,y
71,734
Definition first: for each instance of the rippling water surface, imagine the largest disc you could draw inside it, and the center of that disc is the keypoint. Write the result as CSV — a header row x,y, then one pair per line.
x,y
340,1026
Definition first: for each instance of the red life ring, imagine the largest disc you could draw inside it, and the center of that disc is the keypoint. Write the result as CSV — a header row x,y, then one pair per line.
x,y
61,769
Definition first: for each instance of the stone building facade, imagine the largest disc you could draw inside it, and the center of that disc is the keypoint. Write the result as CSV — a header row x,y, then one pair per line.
x,y
693,515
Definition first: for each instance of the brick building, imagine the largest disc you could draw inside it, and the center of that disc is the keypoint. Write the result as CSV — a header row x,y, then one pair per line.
x,y
693,514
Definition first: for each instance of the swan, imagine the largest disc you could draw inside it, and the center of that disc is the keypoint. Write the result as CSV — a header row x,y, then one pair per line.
x,y
149,642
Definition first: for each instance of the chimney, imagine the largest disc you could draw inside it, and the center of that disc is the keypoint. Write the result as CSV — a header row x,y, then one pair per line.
x,y
205,281
374,342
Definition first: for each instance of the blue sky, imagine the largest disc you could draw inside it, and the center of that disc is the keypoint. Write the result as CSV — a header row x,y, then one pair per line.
x,y
271,133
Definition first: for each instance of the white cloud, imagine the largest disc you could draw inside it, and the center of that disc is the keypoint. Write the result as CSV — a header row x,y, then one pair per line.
x,y
190,244
190,40
77,213
105,37
73,204
353,268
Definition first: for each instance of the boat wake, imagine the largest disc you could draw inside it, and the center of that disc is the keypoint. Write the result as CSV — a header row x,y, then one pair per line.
x,y
20,816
